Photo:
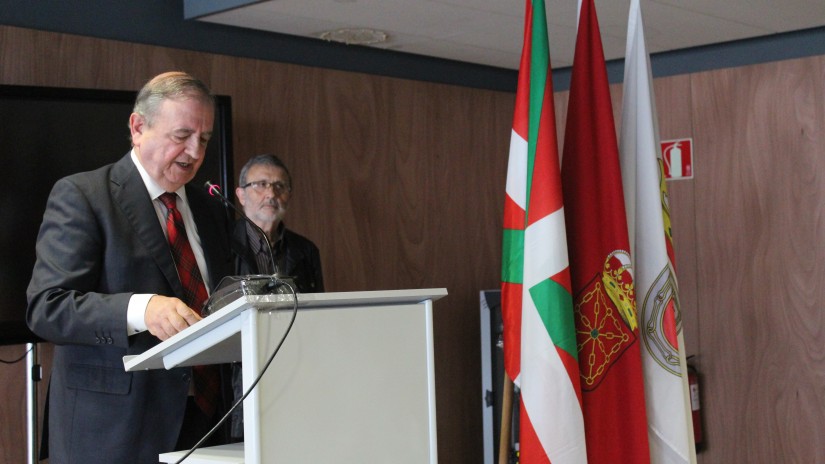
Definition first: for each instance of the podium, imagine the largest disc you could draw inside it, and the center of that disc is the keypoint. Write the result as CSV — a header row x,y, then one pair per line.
x,y
353,382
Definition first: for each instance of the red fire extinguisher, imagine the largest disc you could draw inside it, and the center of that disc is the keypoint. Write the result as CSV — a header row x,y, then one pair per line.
x,y
696,407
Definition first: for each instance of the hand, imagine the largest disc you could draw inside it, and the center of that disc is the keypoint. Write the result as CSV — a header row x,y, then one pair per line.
x,y
167,316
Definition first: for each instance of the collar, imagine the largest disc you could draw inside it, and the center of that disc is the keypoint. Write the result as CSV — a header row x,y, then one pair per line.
x,y
154,189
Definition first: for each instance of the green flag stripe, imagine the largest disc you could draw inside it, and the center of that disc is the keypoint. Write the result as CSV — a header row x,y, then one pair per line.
x,y
512,266
555,307
539,59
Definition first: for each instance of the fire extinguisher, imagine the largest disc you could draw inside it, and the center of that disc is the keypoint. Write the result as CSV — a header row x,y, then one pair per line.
x,y
696,407
673,160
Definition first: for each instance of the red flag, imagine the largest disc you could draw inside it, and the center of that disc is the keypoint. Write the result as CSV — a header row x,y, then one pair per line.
x,y
601,274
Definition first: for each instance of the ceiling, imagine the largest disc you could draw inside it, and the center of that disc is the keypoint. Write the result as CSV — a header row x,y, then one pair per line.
x,y
489,32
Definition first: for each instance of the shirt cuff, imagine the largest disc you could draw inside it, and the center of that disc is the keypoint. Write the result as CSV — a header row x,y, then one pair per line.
x,y
136,313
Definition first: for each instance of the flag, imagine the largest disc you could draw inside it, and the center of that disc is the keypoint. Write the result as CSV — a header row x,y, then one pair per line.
x,y
537,310
601,274
670,425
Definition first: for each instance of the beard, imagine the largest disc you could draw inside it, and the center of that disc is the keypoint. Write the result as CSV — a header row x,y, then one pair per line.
x,y
271,212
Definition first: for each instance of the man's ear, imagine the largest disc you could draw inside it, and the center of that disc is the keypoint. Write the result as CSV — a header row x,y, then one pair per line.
x,y
241,194
137,124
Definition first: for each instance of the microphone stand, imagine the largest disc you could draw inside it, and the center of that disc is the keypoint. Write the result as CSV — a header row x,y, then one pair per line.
x,y
275,281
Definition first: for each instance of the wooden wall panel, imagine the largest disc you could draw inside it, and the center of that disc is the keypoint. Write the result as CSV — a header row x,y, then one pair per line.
x,y
673,107
13,405
760,242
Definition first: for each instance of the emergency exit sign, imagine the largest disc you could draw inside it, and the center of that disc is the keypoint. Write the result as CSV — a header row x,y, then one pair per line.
x,y
677,156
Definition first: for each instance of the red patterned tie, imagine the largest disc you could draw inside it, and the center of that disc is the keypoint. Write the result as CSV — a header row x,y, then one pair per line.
x,y
206,378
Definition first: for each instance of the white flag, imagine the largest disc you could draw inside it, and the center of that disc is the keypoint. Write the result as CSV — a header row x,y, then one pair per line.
x,y
670,425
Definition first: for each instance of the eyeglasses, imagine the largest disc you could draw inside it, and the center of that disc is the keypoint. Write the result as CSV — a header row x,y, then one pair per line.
x,y
262,186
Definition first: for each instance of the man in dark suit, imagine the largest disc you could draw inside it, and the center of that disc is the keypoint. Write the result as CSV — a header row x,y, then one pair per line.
x,y
105,284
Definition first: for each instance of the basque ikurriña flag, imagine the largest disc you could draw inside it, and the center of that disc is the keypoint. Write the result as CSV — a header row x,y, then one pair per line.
x,y
601,273
670,425
539,338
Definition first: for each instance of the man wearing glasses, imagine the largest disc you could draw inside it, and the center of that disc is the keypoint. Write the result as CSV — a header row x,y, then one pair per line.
x,y
264,190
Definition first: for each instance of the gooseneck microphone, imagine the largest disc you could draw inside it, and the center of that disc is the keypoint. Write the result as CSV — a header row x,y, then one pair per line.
x,y
215,191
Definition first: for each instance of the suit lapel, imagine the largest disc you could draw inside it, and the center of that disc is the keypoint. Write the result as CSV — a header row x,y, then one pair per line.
x,y
131,196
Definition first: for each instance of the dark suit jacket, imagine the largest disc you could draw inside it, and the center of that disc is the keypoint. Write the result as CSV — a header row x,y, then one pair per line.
x,y
100,242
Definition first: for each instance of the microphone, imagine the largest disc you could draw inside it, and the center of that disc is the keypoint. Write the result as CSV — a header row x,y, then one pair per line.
x,y
260,284
215,191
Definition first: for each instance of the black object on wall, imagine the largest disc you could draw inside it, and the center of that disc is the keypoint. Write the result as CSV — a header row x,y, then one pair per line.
x,y
493,375
47,133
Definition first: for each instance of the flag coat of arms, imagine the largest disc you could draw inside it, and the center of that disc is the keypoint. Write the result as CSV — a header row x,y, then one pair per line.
x,y
670,427
602,282
539,335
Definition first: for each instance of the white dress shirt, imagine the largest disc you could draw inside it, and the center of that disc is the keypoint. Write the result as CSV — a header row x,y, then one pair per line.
x,y
136,312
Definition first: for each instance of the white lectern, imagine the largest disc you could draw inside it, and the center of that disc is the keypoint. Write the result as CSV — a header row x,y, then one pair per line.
x,y
354,381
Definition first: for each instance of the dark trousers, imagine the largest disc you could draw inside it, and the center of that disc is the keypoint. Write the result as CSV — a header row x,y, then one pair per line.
x,y
196,424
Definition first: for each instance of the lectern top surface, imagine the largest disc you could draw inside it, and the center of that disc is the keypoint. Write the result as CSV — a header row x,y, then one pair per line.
x,y
222,322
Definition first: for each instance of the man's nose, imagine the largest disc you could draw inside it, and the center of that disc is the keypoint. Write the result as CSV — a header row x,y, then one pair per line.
x,y
269,192
194,148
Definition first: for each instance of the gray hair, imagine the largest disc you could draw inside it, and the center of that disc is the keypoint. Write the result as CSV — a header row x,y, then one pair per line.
x,y
173,85
263,160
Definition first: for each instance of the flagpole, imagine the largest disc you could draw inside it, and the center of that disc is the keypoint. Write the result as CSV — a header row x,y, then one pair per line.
x,y
506,421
